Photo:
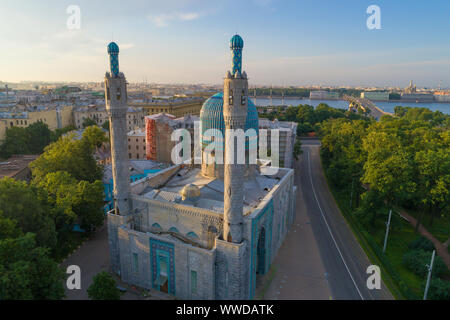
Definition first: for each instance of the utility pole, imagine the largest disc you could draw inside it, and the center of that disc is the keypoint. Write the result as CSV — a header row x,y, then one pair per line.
x,y
430,269
387,231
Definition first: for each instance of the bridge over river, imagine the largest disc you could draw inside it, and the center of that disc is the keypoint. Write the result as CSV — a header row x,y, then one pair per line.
x,y
365,105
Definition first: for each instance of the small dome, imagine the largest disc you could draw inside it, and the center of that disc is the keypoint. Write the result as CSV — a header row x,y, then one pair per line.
x,y
236,42
190,192
113,48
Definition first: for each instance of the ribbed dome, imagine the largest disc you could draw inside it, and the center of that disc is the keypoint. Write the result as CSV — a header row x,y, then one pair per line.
x,y
113,48
236,42
190,192
211,117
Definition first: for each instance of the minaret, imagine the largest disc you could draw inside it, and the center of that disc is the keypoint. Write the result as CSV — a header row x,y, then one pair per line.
x,y
116,106
234,113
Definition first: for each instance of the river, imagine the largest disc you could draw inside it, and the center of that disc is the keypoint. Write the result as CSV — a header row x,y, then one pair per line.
x,y
387,106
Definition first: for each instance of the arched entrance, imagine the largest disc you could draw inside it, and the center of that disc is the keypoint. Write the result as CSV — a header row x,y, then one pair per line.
x,y
261,252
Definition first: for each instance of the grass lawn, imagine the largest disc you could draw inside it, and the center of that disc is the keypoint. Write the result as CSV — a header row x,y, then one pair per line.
x,y
440,228
74,239
397,246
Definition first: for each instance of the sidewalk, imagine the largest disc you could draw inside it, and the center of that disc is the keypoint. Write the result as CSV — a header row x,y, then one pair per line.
x,y
92,257
297,272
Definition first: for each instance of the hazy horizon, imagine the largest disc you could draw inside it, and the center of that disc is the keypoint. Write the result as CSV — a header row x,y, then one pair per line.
x,y
287,43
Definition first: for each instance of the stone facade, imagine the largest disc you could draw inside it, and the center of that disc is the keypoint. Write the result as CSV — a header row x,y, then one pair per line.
x,y
136,145
55,118
287,133
134,118
177,107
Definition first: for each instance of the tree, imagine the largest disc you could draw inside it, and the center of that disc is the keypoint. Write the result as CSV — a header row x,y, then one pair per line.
x,y
105,124
297,149
15,142
417,260
8,228
103,287
388,168
304,128
434,178
21,202
70,155
59,132
38,137
90,207
62,195
73,200
306,114
27,271
291,113
88,122
439,290
94,136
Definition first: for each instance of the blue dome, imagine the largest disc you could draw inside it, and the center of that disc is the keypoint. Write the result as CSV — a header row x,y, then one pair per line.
x,y
211,117
113,48
236,42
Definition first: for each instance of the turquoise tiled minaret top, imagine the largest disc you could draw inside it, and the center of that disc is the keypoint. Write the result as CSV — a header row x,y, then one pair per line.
x,y
113,51
236,45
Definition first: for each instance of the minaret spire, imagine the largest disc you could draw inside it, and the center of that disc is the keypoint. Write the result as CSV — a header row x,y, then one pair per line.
x,y
116,106
234,113
236,46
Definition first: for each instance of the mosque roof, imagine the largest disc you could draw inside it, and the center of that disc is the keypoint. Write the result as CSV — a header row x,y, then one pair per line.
x,y
209,191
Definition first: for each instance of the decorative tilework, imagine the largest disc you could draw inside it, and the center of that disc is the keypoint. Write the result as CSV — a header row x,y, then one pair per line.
x,y
265,218
113,51
158,247
236,45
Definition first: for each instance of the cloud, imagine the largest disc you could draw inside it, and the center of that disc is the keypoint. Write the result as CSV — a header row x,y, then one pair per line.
x,y
163,20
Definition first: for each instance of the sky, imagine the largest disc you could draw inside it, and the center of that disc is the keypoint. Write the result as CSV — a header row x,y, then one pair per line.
x,y
298,42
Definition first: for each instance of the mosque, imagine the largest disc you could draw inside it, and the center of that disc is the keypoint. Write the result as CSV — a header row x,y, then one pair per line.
x,y
197,231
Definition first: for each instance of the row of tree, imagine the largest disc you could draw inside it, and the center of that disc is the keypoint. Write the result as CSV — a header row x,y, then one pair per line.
x,y
36,218
35,137
401,161
29,140
308,117
404,161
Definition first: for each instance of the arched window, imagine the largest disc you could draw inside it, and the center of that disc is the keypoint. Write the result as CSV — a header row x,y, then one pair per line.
x,y
173,229
156,226
192,235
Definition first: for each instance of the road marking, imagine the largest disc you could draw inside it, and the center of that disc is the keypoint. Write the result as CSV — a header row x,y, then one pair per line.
x,y
328,227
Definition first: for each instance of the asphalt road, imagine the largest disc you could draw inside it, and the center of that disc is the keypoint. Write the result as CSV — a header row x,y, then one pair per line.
x,y
344,260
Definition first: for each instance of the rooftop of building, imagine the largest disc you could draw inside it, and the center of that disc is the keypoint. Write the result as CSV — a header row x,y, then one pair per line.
x,y
171,120
136,167
256,188
15,164
167,102
101,108
275,124
137,132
